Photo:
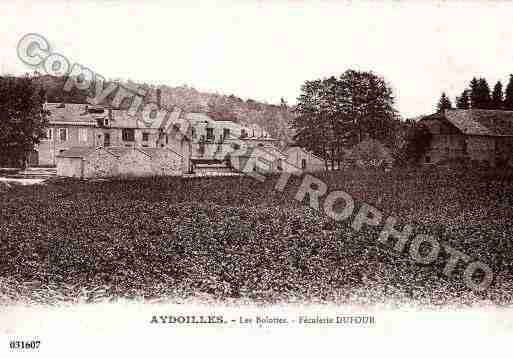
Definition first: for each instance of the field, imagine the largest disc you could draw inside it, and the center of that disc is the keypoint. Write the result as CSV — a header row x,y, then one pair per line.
x,y
238,239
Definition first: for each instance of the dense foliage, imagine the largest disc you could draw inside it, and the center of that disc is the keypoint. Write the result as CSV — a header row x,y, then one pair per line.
x,y
241,239
478,96
418,140
22,119
335,113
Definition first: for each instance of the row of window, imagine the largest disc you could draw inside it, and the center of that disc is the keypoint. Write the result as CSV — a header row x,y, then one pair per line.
x,y
127,134
210,133
63,135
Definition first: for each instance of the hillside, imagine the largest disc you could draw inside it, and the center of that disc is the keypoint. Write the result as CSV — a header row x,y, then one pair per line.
x,y
272,118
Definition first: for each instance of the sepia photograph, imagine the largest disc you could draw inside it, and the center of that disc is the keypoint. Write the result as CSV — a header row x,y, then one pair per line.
x,y
256,178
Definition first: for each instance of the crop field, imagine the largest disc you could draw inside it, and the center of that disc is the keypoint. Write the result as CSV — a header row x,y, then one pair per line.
x,y
240,239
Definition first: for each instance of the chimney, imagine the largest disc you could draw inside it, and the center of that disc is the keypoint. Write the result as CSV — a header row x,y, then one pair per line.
x,y
159,99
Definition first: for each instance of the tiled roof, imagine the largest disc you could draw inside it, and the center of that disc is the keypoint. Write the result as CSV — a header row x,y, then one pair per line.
x,y
198,116
258,151
480,122
153,151
120,151
289,149
71,113
75,114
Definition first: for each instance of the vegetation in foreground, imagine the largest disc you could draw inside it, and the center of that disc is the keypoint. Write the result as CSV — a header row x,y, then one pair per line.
x,y
70,241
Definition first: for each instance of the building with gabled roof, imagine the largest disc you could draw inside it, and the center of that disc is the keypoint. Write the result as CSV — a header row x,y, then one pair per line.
x,y
303,159
84,125
480,136
103,162
195,137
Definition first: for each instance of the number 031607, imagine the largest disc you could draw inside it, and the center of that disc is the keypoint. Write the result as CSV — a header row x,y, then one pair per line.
x,y
24,344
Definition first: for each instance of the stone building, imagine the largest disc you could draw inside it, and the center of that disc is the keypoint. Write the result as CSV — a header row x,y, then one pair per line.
x,y
262,159
103,162
196,137
210,138
83,125
480,136
303,159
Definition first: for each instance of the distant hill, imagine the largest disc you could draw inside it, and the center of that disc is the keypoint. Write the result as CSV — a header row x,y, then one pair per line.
x,y
272,118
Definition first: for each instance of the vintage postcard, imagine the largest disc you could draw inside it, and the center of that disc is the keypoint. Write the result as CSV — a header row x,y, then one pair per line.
x,y
256,178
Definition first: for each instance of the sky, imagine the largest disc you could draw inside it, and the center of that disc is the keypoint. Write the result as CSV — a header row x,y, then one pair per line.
x,y
265,50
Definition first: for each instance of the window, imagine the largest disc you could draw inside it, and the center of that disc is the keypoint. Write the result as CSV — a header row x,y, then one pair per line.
x,y
82,134
201,149
303,163
226,133
128,134
106,140
63,134
145,136
167,140
193,132
102,122
210,134
49,133
428,159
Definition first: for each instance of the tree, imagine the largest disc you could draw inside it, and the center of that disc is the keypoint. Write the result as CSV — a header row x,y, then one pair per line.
x,y
508,95
485,97
418,141
497,97
22,118
480,94
333,113
463,102
474,93
444,103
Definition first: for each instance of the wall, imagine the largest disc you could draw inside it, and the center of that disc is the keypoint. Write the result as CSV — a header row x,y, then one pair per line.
x,y
504,151
446,147
166,163
153,137
50,149
69,167
179,144
295,156
100,164
116,137
134,164
263,160
481,149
